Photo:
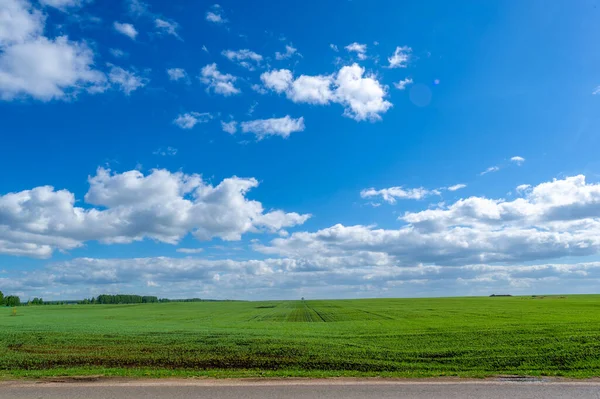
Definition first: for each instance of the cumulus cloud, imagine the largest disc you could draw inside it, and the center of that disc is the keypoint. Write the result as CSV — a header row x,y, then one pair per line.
x,y
61,4
401,85
124,80
554,219
363,97
359,49
20,22
517,160
167,27
191,119
32,65
333,47
311,90
48,69
229,127
218,82
457,187
176,73
245,58
400,57
522,188
126,29
277,80
216,15
283,127
289,52
131,206
363,275
391,194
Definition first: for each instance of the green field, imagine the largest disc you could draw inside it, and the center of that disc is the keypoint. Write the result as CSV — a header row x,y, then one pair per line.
x,y
386,337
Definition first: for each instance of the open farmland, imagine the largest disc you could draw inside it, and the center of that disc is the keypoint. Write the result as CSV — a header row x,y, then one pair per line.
x,y
388,337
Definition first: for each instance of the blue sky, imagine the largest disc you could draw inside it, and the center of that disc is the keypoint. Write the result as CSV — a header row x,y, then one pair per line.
x,y
259,150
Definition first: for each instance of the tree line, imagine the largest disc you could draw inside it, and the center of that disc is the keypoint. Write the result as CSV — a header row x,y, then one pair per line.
x,y
119,299
124,299
104,299
11,300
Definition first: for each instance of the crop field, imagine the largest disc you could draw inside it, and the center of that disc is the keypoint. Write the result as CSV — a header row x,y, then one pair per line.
x,y
376,337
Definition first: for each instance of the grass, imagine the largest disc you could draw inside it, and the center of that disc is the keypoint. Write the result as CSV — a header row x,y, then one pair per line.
x,y
470,337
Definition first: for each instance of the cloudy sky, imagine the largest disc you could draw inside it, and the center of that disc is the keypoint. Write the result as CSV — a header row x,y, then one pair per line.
x,y
261,150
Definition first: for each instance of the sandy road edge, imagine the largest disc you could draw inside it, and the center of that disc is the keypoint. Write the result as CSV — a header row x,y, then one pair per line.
x,y
250,382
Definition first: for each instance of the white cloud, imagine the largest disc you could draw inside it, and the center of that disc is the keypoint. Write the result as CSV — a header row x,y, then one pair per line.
x,y
311,89
191,119
596,90
359,49
252,108
491,169
229,127
517,160
555,219
283,127
215,15
176,73
190,250
391,194
220,83
334,47
126,81
401,85
117,53
61,4
137,8
167,27
362,96
36,66
47,69
126,29
19,22
523,188
366,274
457,187
169,151
289,52
277,80
243,58
400,57
131,206
258,88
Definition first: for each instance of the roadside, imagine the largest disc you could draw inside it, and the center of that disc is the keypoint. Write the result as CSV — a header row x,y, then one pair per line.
x,y
99,381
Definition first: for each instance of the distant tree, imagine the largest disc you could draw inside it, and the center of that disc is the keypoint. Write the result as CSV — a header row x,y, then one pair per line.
x,y
1,298
124,299
12,300
36,301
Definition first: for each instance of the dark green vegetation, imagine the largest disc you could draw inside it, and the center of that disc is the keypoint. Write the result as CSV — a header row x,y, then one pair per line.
x,y
389,337
100,300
